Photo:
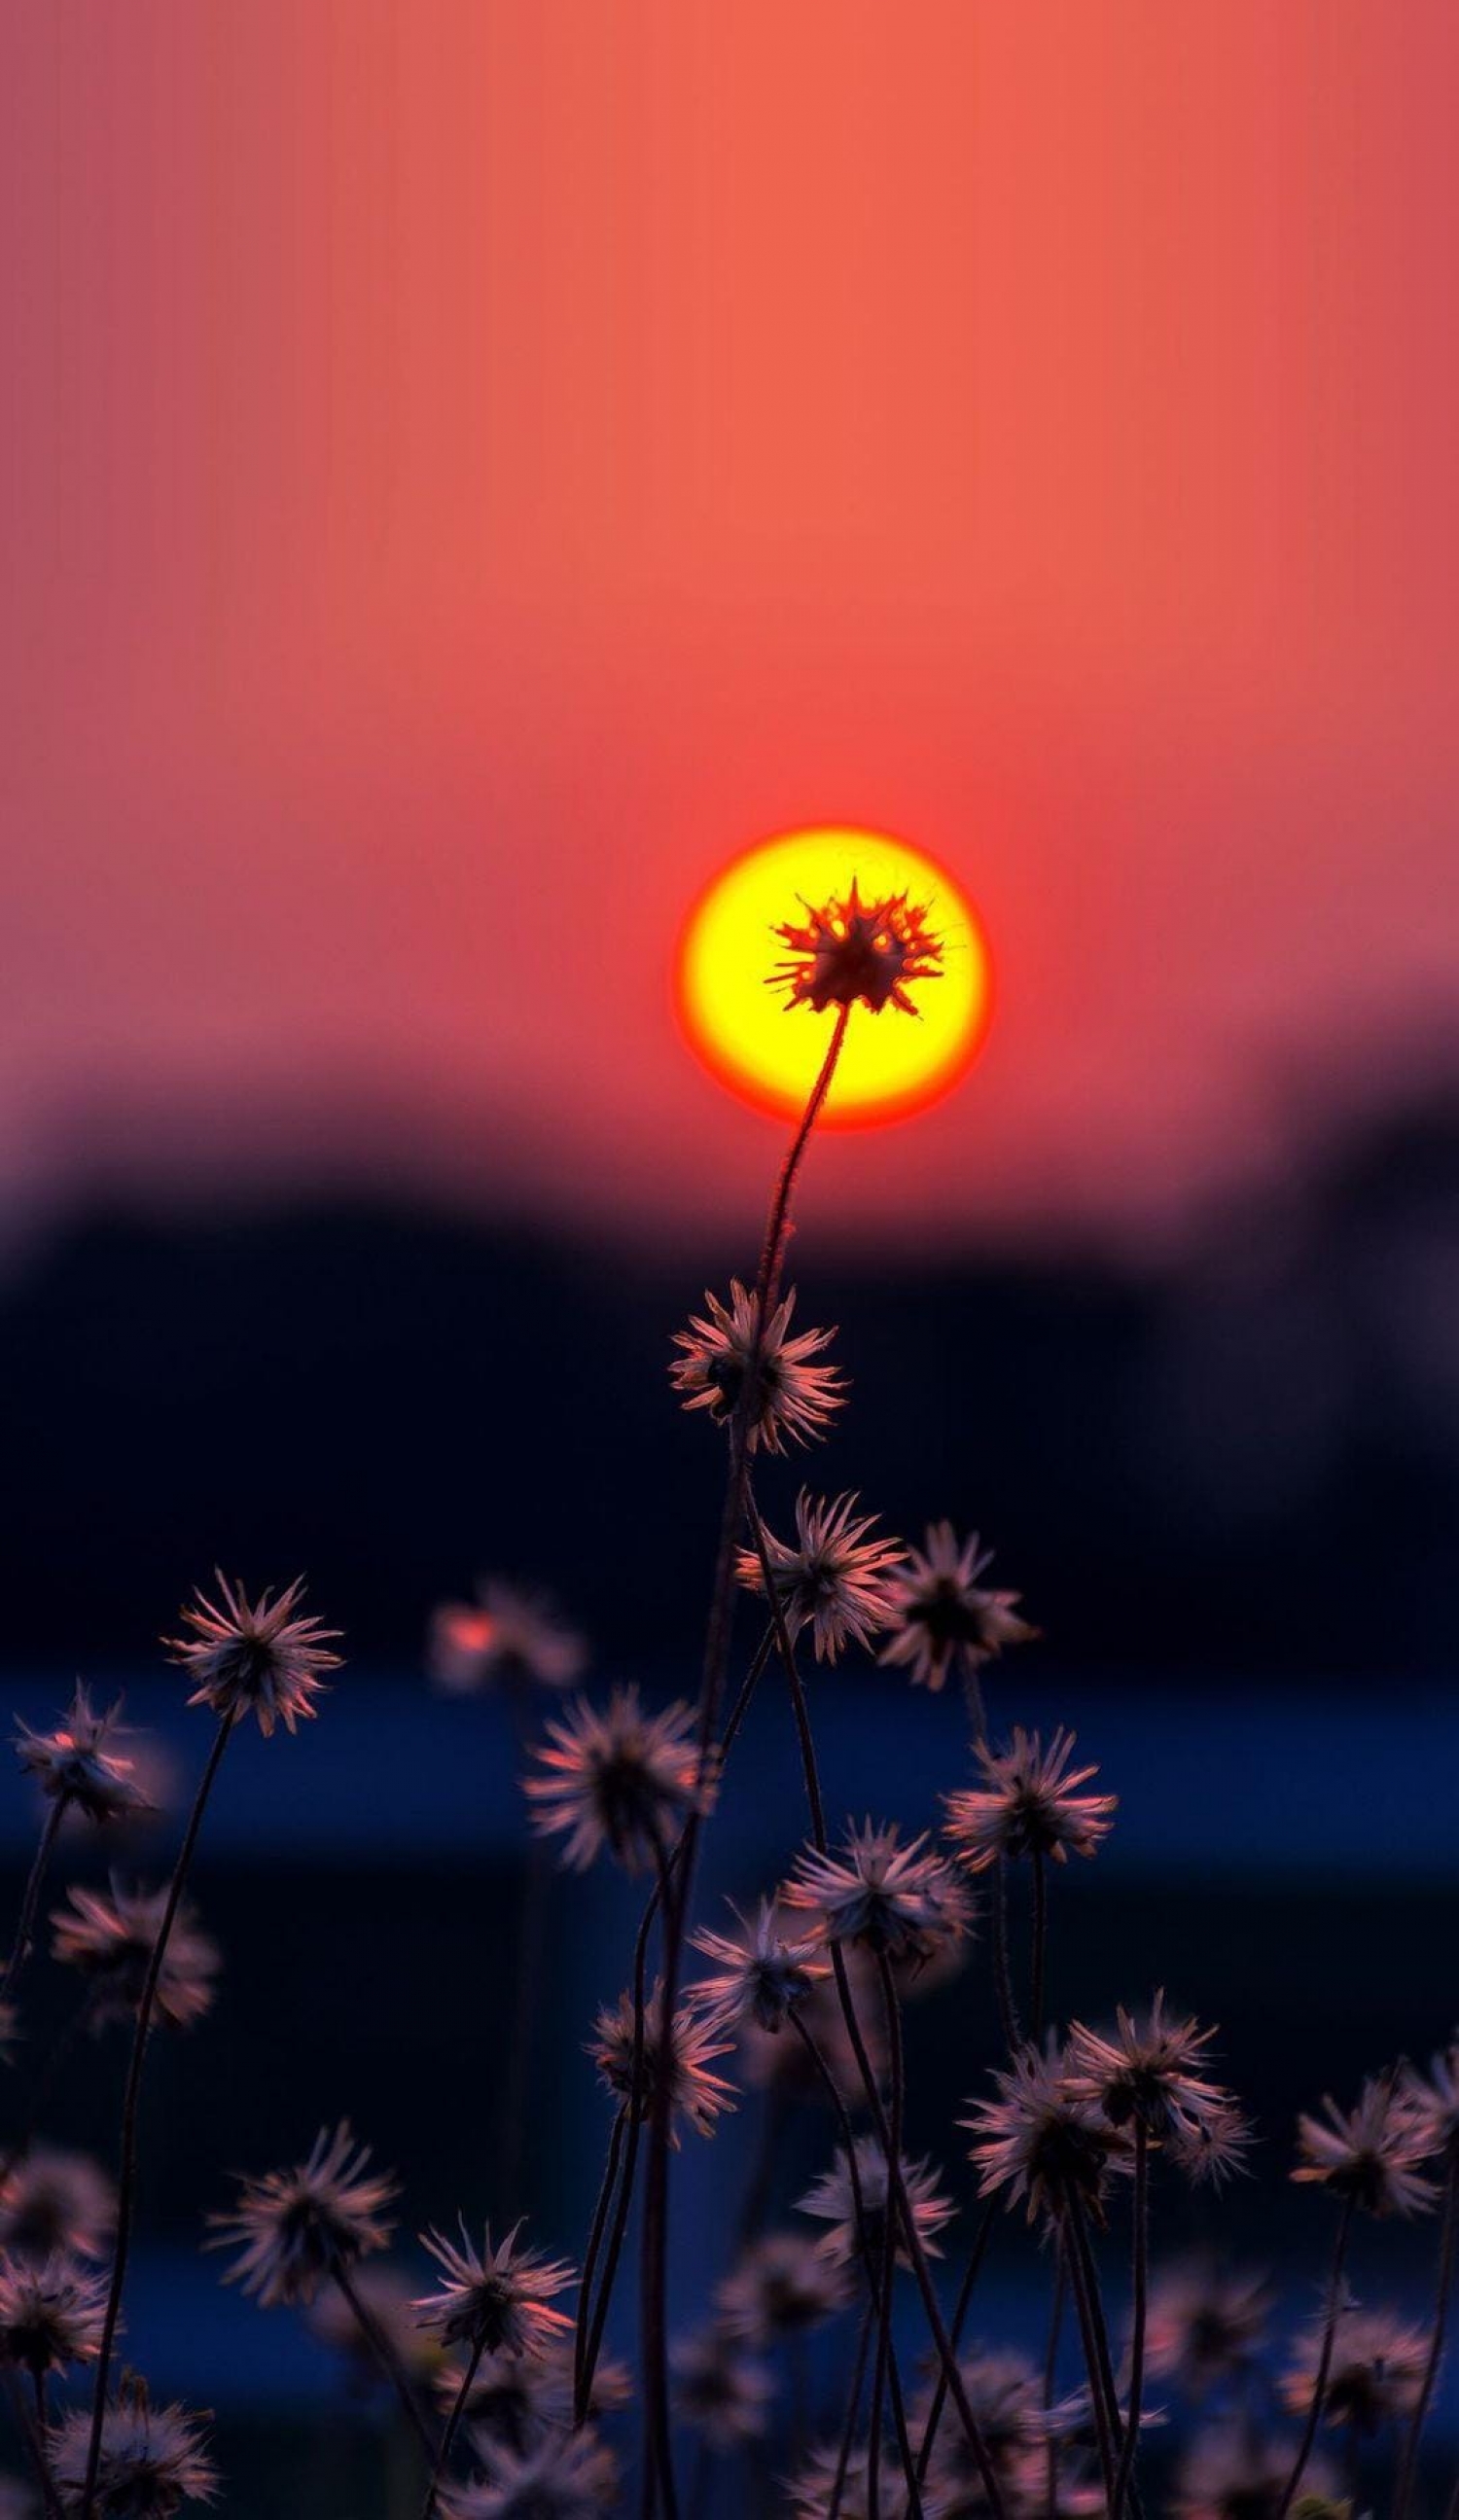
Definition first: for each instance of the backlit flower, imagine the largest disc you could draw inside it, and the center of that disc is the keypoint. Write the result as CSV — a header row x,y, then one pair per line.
x,y
499,2299
831,2200
1029,1804
503,1635
831,1579
570,2477
52,2313
762,1975
695,2093
614,1777
940,1617
1376,2374
1372,2152
902,1901
81,1764
1152,2074
781,2286
55,2204
794,1396
259,1659
721,2391
1041,2141
1205,2326
293,2228
848,951
111,1941
153,2459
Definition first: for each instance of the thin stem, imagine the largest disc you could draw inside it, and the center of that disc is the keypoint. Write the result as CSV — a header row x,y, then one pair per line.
x,y
1051,2387
970,2273
1074,2263
391,2366
778,1224
1324,2359
19,1949
1139,2286
1002,1976
1408,2465
452,2426
126,2185
634,2107
596,2231
853,2408
658,2444
903,2436
1099,2328
1040,1946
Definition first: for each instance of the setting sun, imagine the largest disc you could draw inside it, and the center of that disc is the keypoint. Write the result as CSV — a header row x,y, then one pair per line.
x,y
768,1051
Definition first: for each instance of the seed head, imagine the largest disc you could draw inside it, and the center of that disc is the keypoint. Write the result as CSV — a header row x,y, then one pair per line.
x,y
615,1778
831,1579
52,2313
569,2476
1371,2153
82,1765
1029,1803
848,951
783,2285
942,1617
294,2228
1151,2074
721,2391
55,2204
1041,2141
695,2093
762,1975
258,1657
1376,2374
504,1636
153,2461
831,2200
794,1397
111,1941
498,2299
1205,2326
904,1902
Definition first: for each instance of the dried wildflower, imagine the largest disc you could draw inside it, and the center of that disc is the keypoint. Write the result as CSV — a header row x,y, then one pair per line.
x,y
1151,2074
614,1778
762,1975
570,2477
1370,2153
1205,2326
812,2488
501,2299
902,1901
721,2391
255,1658
693,2091
767,2057
153,2459
80,1765
503,1635
782,2285
1029,1804
1238,2471
794,1397
833,1578
940,1617
1211,2148
1041,2141
1376,2374
847,952
56,2204
1005,2391
52,2313
388,2298
1436,2097
831,2200
293,2228
111,1941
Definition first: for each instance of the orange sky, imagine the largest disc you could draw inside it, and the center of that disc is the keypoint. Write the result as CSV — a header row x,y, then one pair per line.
x,y
469,467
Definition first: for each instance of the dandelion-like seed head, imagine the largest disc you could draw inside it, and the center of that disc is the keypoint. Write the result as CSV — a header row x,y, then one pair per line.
x,y
615,1778
692,2048
1042,2141
294,2228
762,1975
1376,2374
1151,2074
721,2390
901,1902
831,1578
783,2285
55,2204
110,1938
1029,1803
1371,2153
847,952
153,2459
52,2312
498,2299
794,1397
505,1636
831,2200
942,1617
261,1658
81,1764
569,2476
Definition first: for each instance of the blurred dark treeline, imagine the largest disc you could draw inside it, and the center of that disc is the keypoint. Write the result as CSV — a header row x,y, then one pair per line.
x,y
1245,1457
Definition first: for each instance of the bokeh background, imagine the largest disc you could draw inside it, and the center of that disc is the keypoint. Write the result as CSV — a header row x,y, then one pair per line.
x,y
465,471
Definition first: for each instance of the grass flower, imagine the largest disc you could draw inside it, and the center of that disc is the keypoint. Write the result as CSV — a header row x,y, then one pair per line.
x,y
942,1619
794,1397
570,2477
1375,2372
504,1636
695,2093
153,2459
831,2200
904,1902
80,1763
55,2204
1371,2153
830,1579
847,952
294,2228
498,2300
1030,1804
1042,2141
1207,2327
51,2312
1148,2074
761,1977
615,1780
111,1941
260,1658
782,2285
721,2391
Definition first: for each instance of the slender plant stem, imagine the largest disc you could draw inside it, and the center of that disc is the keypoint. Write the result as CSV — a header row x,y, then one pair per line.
x,y
1002,1976
970,2273
391,2366
1074,2262
19,1949
1408,2465
903,2435
1099,2328
459,2404
596,2229
43,2435
1324,2361
1040,1946
658,2479
1050,2389
852,2420
126,2185
1139,2287
778,1224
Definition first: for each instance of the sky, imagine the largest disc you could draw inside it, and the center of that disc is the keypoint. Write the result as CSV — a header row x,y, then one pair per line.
x,y
469,466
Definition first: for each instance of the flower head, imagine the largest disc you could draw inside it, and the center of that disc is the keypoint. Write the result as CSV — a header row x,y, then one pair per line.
x,y
1041,2139
1375,2373
721,2390
569,2476
153,2459
1029,1803
1150,2075
848,951
614,1777
112,1940
501,2299
904,1902
52,2313
259,1659
1372,2152
1205,2326
1435,2097
831,2200
692,2048
81,1764
942,1617
830,1579
293,2228
1005,2391
504,1635
766,2058
55,2204
794,1397
762,1975
782,2285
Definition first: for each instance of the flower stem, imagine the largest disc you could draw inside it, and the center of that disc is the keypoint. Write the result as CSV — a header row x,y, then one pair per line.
x,y
1099,2331
970,2273
1408,2465
1074,2262
126,2184
452,2425
391,2366
853,2408
19,1949
1324,2361
1139,2286
778,1224
658,2444
596,2231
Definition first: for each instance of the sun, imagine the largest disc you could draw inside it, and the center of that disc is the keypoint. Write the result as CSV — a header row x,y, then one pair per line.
x,y
767,1053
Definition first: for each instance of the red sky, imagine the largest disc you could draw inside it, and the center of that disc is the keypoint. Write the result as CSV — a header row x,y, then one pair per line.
x,y
468,468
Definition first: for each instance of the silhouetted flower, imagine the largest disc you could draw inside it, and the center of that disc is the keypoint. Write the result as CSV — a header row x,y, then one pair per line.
x,y
51,2312
1205,2326
499,2299
571,2477
1376,2374
55,2204
614,1778
110,1942
1029,1804
812,2488
693,2091
1042,2141
153,2459
940,1617
81,1764
293,2228
1151,2074
794,1398
781,2286
1237,2471
762,1975
833,1578
831,2200
258,1657
720,2390
504,1635
848,951
903,1901
1371,2153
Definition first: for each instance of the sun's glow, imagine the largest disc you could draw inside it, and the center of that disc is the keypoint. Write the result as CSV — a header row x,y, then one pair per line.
x,y
894,1064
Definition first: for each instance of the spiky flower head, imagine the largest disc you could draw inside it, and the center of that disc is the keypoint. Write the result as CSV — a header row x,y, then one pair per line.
x,y
1029,1803
569,2476
1238,2470
294,2228
505,1636
1151,2074
498,2299
81,1764
691,2047
901,1902
1041,2141
833,2199
942,1617
111,1940
261,1657
721,2390
847,952
153,2459
793,1397
781,2286
52,2313
1205,2325
762,1975
1376,2374
831,1578
615,1778
1373,2152
55,2204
